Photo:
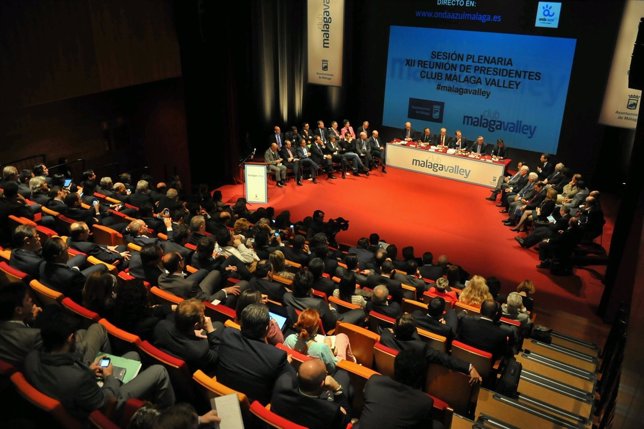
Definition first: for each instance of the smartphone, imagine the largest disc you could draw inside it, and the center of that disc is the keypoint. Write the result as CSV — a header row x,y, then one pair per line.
x,y
67,183
166,212
277,233
104,362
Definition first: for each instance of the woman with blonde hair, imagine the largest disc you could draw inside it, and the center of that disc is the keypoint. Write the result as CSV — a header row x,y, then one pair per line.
x,y
475,292
330,348
278,265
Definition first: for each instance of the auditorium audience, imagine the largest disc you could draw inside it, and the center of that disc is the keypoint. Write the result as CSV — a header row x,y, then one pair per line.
x,y
246,362
56,371
250,296
312,398
475,292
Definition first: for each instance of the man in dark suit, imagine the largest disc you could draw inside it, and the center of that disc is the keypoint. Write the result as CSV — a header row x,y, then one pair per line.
x,y
364,127
176,334
545,167
364,254
298,251
321,131
408,133
379,303
304,155
79,239
321,283
542,232
312,398
386,278
56,274
442,139
428,270
458,142
146,264
276,137
136,233
405,337
485,333
378,149
427,137
398,402
362,148
434,321
264,284
290,160
246,362
320,158
301,299
412,277
480,147
11,204
201,284
57,371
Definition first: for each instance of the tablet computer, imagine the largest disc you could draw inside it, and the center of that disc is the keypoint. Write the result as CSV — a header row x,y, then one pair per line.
x,y
281,320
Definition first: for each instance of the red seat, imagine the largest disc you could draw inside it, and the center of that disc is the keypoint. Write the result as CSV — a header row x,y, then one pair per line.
x,y
272,419
219,312
377,320
44,402
298,357
481,359
78,309
384,359
13,274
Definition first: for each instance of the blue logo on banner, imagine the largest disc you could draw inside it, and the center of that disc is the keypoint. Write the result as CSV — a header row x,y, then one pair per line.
x,y
632,102
426,110
548,14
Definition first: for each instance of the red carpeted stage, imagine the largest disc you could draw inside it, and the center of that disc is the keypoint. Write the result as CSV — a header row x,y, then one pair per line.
x,y
444,217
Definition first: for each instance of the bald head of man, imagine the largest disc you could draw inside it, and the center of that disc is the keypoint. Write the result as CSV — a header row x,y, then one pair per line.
x,y
311,376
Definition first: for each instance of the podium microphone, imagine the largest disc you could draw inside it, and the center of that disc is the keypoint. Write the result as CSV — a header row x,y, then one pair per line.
x,y
252,155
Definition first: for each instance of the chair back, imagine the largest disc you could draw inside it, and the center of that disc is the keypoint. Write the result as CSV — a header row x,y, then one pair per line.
x,y
437,342
297,357
362,341
98,420
272,419
468,309
219,312
44,402
384,359
13,274
87,314
212,388
410,305
452,387
481,359
45,294
159,296
409,291
379,320
342,306
107,236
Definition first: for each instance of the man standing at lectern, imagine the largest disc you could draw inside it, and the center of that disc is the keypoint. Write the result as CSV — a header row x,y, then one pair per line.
x,y
274,162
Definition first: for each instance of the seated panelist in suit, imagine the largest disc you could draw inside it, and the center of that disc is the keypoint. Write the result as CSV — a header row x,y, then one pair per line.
x,y
290,159
275,165
442,139
334,131
364,127
480,147
458,142
378,148
304,155
427,137
500,150
320,158
363,149
408,132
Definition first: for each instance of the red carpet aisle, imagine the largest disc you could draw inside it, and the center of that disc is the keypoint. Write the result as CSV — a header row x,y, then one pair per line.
x,y
439,215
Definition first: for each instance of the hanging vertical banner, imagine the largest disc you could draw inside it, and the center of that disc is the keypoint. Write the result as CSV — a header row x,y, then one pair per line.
x,y
325,36
621,103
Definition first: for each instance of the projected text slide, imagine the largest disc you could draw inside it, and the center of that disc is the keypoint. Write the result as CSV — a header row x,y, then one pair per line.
x,y
496,85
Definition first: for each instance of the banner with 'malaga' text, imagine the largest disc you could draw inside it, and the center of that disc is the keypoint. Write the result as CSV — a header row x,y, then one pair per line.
x,y
621,103
325,35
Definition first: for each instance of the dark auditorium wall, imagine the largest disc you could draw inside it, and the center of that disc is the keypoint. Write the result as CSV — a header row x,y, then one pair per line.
x,y
127,128
95,80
